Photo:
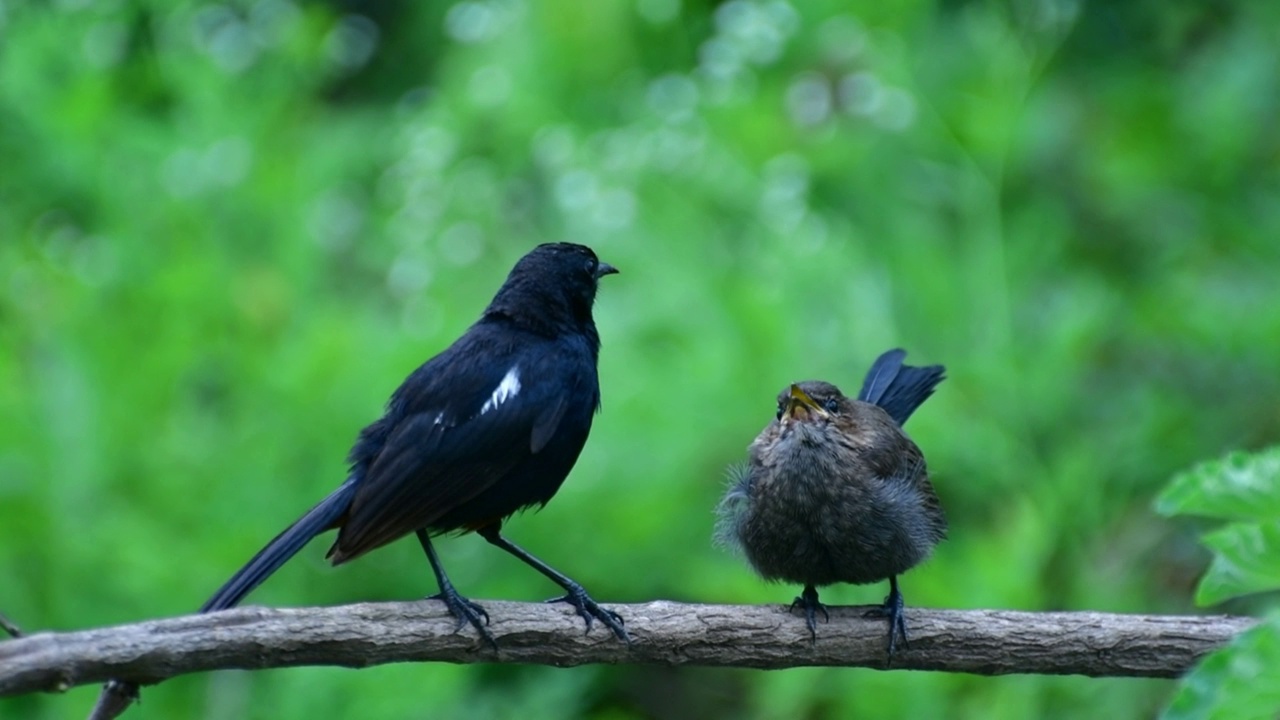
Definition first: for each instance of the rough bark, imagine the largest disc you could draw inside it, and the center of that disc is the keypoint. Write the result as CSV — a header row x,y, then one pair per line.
x,y
987,642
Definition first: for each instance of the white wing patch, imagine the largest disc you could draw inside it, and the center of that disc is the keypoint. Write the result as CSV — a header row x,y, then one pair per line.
x,y
507,389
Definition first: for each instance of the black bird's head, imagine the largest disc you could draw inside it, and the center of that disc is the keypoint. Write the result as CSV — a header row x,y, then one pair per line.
x,y
552,288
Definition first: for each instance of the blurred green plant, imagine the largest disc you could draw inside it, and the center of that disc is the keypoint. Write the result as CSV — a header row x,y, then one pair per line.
x,y
1240,681
229,229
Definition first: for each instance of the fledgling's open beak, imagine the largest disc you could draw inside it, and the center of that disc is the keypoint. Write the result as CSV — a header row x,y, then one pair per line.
x,y
605,268
800,406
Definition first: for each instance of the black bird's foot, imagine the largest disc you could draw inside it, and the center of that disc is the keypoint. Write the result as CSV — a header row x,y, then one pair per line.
x,y
808,600
466,611
575,595
589,611
893,610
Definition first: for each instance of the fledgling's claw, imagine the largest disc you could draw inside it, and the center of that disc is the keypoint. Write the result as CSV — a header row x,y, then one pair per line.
x,y
808,601
893,609
590,611
466,611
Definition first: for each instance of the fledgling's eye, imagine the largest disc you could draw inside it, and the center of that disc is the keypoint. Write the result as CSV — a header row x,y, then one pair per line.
x,y
831,405
782,407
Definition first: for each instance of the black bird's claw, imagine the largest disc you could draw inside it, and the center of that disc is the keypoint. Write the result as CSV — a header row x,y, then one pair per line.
x,y
808,600
893,610
589,611
466,611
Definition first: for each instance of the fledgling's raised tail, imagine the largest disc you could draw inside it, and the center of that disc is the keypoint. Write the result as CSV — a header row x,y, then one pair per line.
x,y
899,389
318,519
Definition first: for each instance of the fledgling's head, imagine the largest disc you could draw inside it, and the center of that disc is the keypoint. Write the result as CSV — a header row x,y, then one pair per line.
x,y
813,401
554,284
812,413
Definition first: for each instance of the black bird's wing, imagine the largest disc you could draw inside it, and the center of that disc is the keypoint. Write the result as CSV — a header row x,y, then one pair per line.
x,y
452,437
899,388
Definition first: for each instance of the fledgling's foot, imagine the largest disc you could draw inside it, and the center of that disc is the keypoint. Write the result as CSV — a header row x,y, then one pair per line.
x,y
589,611
466,612
808,601
893,609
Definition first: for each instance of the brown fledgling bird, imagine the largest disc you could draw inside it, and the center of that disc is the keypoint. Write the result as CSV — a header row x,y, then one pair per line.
x,y
835,491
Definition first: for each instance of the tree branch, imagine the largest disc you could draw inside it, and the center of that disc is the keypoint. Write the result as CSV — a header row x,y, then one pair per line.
x,y
987,642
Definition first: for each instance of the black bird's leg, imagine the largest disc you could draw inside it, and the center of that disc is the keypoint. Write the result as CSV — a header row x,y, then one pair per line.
x,y
808,601
575,594
893,609
461,608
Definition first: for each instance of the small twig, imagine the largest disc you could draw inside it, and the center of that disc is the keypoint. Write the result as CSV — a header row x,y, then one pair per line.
x,y
9,626
987,642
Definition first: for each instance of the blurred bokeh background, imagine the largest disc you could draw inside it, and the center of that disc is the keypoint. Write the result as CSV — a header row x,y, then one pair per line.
x,y
227,231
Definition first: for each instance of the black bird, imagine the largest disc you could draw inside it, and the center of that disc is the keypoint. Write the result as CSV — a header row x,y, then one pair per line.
x,y
488,427
835,491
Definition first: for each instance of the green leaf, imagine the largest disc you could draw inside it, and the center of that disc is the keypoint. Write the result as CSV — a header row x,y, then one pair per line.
x,y
1246,559
1239,682
1241,486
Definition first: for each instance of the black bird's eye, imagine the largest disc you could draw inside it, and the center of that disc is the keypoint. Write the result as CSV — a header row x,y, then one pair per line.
x,y
831,405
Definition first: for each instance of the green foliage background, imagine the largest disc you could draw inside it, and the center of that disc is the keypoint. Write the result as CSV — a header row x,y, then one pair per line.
x,y
1242,679
227,231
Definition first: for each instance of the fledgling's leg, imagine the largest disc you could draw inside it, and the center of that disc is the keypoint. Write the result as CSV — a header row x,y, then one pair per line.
x,y
893,609
808,601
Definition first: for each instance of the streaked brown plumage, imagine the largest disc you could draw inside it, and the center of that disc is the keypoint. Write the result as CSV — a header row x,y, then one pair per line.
x,y
835,491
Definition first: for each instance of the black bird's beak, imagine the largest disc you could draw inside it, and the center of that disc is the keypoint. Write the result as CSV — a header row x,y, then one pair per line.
x,y
605,268
800,406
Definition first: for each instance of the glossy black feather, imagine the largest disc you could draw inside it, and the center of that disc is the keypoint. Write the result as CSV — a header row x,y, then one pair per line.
x,y
489,426
320,518
448,466
434,461
881,374
899,389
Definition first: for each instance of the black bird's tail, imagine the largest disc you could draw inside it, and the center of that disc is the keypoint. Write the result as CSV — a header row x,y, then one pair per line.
x,y
899,389
285,545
